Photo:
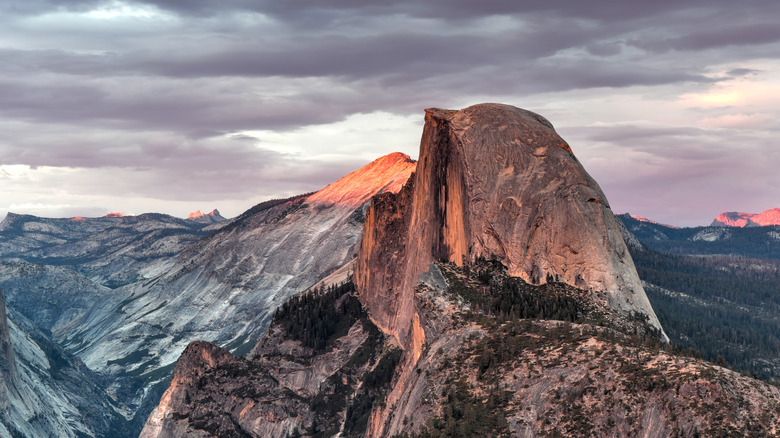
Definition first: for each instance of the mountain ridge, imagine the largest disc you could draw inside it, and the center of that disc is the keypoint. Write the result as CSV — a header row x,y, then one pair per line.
x,y
740,219
207,218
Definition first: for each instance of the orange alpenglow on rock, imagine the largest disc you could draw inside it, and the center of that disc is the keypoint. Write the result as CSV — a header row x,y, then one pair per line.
x,y
385,174
205,218
114,214
739,219
493,180
197,214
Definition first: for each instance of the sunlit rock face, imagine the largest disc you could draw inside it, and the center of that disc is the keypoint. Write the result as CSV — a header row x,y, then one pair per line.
x,y
128,293
386,174
494,180
739,219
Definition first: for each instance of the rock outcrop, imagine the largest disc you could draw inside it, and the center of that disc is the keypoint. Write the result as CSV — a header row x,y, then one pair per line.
x,y
739,219
478,375
297,380
493,180
206,218
44,391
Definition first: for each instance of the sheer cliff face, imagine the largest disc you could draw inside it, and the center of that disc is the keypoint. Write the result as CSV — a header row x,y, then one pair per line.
x,y
494,180
8,372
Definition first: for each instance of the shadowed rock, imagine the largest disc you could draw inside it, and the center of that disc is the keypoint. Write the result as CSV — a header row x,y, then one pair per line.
x,y
8,372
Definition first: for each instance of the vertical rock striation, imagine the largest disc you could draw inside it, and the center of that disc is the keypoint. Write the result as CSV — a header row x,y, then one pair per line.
x,y
9,375
493,180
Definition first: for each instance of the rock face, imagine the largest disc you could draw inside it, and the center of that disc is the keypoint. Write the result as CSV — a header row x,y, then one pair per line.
x,y
493,180
44,391
246,270
225,287
291,383
9,375
66,276
739,219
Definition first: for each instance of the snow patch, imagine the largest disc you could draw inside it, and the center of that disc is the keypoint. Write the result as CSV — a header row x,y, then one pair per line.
x,y
711,235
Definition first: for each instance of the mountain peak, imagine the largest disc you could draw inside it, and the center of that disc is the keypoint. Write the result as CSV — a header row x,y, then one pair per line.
x,y
385,174
741,219
114,214
212,217
649,221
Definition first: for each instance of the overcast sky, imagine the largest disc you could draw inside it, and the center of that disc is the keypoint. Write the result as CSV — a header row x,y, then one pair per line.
x,y
173,105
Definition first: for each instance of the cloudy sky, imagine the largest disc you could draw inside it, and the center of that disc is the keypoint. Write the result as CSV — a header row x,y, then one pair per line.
x,y
173,105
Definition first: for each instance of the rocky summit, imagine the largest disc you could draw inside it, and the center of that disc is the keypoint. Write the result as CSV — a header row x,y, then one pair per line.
x,y
494,180
740,219
206,218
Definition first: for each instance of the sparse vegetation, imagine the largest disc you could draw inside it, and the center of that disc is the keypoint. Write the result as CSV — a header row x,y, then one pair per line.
x,y
495,297
466,415
375,384
317,317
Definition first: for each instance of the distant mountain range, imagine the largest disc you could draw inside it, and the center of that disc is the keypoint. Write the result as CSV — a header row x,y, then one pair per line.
x,y
750,241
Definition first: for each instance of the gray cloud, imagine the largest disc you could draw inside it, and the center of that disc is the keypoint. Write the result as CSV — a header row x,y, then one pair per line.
x,y
684,176
456,9
742,72
727,35
159,96
32,7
